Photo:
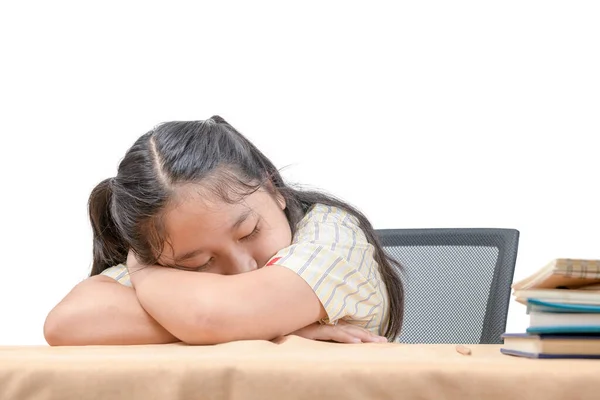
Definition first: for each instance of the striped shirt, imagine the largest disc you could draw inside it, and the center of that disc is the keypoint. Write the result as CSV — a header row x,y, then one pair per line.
x,y
119,273
331,253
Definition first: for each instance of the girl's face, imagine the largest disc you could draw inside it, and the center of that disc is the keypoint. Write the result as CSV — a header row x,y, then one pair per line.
x,y
211,235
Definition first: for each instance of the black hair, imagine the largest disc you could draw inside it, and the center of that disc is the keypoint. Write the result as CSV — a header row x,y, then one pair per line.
x,y
126,211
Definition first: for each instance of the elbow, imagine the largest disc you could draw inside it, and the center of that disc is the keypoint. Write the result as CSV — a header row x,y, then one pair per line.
x,y
59,329
53,332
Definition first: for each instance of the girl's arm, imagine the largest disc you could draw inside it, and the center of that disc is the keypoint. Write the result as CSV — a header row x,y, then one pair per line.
x,y
101,311
205,308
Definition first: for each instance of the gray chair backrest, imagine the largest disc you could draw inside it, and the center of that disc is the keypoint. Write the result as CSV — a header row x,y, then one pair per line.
x,y
456,282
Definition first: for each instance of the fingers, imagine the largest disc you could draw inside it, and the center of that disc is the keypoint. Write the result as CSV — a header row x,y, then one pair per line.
x,y
344,332
334,334
363,334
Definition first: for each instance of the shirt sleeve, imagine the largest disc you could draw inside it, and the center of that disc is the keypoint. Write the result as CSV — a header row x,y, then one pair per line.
x,y
119,273
331,253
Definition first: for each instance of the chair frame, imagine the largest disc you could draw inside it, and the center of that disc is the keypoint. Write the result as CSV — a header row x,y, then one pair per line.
x,y
507,242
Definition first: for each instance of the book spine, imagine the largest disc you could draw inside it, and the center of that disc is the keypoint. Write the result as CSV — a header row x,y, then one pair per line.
x,y
585,274
579,268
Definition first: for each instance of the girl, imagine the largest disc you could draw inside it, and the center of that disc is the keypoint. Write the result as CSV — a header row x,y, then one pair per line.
x,y
195,197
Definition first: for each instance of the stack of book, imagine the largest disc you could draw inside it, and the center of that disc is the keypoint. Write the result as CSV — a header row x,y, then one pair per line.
x,y
563,304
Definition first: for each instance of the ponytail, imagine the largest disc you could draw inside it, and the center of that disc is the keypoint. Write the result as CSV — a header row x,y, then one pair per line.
x,y
109,248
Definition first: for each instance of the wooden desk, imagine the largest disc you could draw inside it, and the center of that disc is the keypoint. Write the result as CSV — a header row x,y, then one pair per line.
x,y
292,368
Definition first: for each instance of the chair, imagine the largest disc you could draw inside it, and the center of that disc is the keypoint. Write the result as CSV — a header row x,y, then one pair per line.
x,y
456,282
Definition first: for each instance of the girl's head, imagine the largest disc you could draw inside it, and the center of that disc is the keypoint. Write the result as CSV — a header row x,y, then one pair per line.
x,y
198,195
186,191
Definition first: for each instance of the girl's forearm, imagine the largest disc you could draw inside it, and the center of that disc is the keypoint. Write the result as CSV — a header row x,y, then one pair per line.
x,y
101,311
176,300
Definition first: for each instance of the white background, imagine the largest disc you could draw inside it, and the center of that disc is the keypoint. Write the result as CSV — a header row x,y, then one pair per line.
x,y
422,114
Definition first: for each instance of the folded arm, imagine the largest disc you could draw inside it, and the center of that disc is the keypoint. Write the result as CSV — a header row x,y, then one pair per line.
x,y
101,311
205,308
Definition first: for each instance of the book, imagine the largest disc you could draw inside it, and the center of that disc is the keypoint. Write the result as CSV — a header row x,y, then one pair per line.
x,y
562,272
551,346
537,305
584,295
549,317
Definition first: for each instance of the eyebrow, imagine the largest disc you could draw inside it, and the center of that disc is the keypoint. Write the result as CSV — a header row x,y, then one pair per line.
x,y
190,254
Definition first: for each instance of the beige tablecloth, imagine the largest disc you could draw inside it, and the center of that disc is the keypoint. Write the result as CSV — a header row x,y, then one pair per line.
x,y
292,368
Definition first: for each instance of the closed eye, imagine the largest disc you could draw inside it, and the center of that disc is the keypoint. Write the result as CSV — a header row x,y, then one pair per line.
x,y
195,269
203,267
252,234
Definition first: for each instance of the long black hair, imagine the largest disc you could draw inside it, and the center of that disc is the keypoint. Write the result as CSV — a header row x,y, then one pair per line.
x,y
126,211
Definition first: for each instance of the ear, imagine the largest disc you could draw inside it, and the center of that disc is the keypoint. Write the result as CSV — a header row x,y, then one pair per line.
x,y
280,200
277,195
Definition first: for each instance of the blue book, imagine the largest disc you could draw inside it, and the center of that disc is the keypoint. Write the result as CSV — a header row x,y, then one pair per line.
x,y
550,306
551,346
564,329
561,318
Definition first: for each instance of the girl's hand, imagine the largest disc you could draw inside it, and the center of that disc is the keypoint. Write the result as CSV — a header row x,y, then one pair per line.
x,y
137,271
342,332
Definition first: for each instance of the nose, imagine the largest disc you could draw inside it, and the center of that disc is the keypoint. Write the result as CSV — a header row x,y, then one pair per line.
x,y
240,263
